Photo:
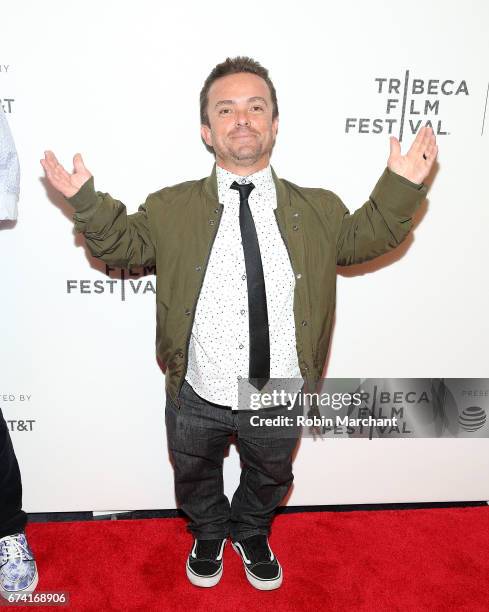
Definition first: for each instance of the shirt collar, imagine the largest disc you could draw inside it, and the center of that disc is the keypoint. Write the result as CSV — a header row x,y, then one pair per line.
x,y
262,180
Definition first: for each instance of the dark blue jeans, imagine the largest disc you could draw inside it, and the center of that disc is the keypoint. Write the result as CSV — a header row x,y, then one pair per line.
x,y
12,518
198,437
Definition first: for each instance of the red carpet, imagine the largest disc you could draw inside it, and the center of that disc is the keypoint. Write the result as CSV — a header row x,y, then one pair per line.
x,y
409,560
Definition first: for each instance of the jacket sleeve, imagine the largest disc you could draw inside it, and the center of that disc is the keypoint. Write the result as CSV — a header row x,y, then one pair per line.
x,y
118,239
382,223
9,172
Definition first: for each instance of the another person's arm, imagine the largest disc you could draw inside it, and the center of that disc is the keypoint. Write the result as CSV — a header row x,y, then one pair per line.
x,y
9,172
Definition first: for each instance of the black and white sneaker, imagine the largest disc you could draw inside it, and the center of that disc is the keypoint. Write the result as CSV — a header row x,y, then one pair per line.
x,y
261,566
204,563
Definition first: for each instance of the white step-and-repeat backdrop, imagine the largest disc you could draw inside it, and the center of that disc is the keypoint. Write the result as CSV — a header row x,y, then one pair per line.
x,y
119,82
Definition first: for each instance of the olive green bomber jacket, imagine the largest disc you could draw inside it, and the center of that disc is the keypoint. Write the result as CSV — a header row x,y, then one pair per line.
x,y
176,226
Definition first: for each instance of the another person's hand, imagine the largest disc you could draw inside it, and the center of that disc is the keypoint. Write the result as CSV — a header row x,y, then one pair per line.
x,y
417,163
68,184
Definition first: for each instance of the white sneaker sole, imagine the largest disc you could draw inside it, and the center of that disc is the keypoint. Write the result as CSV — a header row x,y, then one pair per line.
x,y
258,583
204,581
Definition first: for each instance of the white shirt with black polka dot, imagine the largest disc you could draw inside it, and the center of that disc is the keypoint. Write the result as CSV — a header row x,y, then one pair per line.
x,y
219,342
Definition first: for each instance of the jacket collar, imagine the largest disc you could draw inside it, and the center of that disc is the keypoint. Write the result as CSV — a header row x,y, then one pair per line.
x,y
210,188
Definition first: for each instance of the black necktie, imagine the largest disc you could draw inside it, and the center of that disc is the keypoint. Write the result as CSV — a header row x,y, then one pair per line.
x,y
259,367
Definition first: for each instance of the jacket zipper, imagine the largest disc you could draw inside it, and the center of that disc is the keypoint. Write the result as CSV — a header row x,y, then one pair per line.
x,y
221,207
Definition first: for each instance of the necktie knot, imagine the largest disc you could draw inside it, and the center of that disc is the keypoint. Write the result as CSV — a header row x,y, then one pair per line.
x,y
244,190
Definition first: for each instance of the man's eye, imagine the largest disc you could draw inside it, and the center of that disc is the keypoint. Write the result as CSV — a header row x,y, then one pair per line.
x,y
259,107
224,111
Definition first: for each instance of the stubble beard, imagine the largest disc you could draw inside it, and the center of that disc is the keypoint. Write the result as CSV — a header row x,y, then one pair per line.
x,y
247,154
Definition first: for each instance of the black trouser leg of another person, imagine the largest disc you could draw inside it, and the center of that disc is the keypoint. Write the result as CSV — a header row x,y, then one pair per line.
x,y
12,518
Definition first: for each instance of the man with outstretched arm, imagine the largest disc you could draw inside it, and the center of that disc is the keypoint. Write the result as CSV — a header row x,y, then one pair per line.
x,y
246,277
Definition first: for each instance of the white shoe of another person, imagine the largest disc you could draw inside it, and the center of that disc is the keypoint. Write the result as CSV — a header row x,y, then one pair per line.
x,y
18,569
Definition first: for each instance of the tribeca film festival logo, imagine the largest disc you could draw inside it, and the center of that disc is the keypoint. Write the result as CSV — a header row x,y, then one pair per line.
x,y
409,105
127,282
17,424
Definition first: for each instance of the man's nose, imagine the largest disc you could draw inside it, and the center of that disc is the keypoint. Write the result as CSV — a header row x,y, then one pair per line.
x,y
242,118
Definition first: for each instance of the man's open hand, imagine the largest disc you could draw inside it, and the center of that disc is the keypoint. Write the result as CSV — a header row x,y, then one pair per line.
x,y
68,184
414,166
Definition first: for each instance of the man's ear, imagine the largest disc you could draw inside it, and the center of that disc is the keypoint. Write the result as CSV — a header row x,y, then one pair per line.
x,y
205,132
275,126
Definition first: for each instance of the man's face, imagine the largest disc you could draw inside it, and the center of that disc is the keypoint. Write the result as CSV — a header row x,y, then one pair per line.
x,y
241,130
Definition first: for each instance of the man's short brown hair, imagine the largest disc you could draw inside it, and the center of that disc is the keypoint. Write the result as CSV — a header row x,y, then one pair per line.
x,y
235,65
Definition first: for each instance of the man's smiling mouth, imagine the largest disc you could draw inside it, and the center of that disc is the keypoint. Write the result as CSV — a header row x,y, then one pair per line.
x,y
247,135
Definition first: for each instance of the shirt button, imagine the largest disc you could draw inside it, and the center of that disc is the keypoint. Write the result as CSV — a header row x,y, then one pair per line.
x,y
198,268
216,210
244,277
179,353
187,312
242,311
304,323
211,222
298,275
239,377
296,214
295,227
240,346
242,181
